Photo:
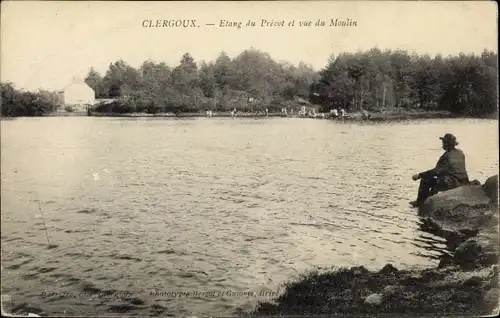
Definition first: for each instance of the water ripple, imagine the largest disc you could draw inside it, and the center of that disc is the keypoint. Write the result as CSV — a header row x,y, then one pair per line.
x,y
183,205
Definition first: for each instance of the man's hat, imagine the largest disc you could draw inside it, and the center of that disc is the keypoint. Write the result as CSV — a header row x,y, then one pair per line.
x,y
449,139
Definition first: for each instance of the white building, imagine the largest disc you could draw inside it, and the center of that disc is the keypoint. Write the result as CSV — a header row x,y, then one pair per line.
x,y
78,95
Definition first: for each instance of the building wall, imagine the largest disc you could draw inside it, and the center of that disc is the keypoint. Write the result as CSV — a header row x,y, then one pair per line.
x,y
78,96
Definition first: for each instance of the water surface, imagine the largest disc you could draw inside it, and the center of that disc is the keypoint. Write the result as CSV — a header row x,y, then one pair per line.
x,y
154,206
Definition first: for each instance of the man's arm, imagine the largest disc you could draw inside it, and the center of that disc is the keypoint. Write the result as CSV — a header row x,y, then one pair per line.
x,y
440,167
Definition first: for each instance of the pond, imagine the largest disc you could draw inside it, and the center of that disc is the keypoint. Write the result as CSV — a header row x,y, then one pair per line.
x,y
203,216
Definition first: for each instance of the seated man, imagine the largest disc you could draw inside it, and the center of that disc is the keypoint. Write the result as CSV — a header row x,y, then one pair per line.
x,y
449,172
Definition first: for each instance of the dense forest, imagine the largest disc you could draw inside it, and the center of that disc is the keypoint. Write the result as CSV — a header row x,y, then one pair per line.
x,y
374,80
251,80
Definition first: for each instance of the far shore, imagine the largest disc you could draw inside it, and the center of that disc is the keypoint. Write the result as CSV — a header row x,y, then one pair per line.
x,y
389,115
374,116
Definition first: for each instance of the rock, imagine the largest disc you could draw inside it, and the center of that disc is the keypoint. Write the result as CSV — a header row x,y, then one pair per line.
x,y
490,187
474,281
391,289
481,250
414,279
492,281
416,276
388,269
482,278
446,201
492,299
359,270
467,253
136,301
465,209
374,299
494,268
475,183
446,261
488,242
465,220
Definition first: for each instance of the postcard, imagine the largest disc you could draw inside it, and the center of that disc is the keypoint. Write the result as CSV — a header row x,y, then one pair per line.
x,y
249,158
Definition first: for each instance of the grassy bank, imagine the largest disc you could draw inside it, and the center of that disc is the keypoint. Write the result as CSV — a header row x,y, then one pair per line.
x,y
448,290
388,291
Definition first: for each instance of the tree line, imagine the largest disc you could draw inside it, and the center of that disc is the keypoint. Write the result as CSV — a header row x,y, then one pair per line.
x,y
377,80
251,80
373,80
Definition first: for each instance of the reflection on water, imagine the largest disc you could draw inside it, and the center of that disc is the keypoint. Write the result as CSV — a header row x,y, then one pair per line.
x,y
154,207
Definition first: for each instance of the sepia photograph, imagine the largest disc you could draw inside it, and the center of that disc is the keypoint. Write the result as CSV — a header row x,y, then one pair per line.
x,y
249,158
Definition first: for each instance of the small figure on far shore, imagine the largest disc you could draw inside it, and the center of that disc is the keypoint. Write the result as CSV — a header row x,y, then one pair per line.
x,y
335,113
302,111
449,173
365,114
233,113
267,112
342,113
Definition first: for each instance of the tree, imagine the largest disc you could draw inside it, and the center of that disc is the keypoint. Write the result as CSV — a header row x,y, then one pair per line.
x,y
120,80
94,80
207,79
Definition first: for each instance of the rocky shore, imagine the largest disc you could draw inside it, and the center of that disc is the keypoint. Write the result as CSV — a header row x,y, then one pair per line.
x,y
465,283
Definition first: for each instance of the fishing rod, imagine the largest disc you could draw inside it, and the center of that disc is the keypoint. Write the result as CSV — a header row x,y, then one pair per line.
x,y
44,224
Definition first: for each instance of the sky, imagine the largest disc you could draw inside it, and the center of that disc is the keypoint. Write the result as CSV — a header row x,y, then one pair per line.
x,y
45,44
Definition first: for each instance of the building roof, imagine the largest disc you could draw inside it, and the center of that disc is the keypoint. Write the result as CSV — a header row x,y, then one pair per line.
x,y
77,81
